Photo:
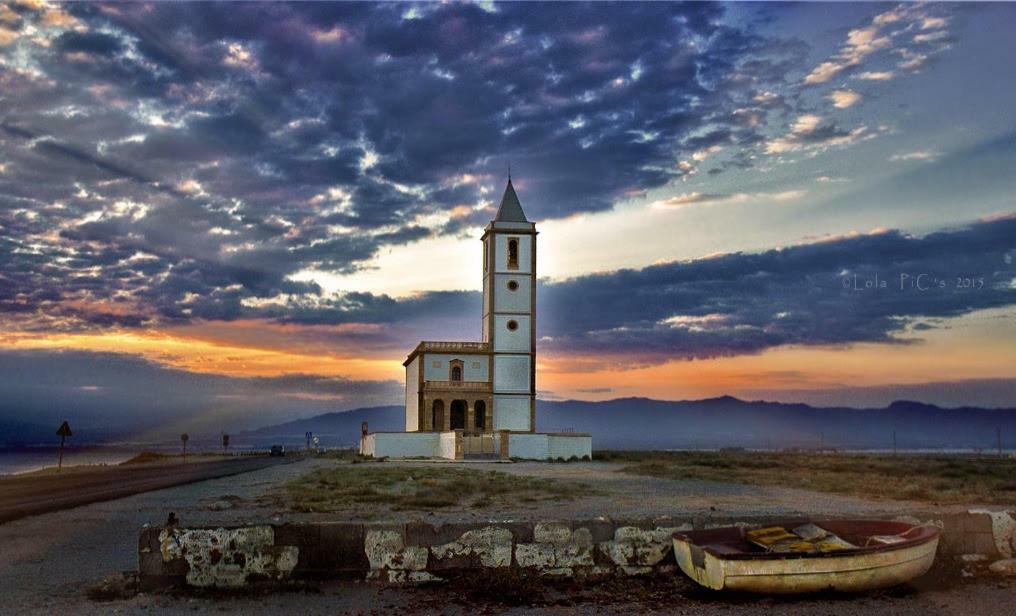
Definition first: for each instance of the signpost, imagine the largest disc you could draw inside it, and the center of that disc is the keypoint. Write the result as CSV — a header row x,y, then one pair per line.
x,y
63,432
183,439
309,436
225,443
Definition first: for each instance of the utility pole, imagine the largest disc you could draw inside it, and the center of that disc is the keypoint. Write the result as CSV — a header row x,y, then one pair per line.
x,y
183,439
894,441
998,437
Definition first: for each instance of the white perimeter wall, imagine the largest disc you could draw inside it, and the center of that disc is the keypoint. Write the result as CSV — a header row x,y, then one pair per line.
x,y
402,445
446,448
550,446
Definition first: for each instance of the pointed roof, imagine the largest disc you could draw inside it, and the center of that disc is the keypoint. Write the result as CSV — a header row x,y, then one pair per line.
x,y
510,209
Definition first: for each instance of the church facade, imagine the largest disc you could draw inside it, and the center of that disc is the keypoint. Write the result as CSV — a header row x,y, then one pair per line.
x,y
478,399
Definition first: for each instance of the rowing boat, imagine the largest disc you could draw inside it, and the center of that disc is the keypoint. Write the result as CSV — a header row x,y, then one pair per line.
x,y
836,555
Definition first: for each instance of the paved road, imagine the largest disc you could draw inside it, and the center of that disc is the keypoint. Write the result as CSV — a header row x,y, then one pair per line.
x,y
24,495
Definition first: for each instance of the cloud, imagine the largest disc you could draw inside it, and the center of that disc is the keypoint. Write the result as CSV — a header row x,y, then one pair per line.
x,y
880,35
810,132
925,155
192,160
694,198
844,98
875,75
809,294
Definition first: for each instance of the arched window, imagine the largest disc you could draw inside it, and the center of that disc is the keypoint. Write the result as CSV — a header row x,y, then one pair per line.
x,y
513,253
458,412
456,373
480,414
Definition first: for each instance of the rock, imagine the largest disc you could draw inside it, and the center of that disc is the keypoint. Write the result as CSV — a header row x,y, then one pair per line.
x,y
1006,566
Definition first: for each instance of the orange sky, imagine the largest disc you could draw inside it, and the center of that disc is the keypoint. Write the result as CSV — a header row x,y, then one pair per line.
x,y
972,347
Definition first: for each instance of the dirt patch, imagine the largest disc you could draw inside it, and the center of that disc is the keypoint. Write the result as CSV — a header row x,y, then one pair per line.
x,y
367,489
114,588
937,479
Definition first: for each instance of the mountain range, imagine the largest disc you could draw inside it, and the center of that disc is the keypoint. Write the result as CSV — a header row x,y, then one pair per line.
x,y
642,423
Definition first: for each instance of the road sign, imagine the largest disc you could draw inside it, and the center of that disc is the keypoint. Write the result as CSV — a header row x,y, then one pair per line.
x,y
63,432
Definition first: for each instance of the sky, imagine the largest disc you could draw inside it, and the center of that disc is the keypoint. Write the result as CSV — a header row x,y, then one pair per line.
x,y
215,215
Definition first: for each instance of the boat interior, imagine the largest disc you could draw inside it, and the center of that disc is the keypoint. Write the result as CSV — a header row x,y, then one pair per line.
x,y
863,536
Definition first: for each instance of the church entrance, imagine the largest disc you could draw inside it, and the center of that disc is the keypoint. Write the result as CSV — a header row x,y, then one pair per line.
x,y
458,415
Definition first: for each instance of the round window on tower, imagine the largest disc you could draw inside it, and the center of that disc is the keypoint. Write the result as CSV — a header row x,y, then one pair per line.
x,y
513,325
513,286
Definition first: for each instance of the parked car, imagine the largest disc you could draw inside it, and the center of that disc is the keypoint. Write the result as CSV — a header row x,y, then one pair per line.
x,y
277,450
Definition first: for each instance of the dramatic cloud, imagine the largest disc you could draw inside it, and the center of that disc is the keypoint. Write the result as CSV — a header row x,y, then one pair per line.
x,y
168,162
863,288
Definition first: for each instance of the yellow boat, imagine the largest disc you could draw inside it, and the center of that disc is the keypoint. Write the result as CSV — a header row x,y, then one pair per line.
x,y
830,555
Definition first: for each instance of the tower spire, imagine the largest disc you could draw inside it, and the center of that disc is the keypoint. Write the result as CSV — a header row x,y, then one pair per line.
x,y
510,209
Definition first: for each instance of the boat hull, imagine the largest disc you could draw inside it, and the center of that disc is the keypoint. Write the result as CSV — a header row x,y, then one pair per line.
x,y
841,573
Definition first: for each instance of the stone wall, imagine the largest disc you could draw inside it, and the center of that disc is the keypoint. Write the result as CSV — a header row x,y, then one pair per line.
x,y
423,552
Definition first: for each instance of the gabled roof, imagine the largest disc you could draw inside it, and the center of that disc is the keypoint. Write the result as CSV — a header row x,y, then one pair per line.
x,y
510,209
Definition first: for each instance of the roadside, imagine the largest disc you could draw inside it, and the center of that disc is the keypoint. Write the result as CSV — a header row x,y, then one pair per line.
x,y
45,491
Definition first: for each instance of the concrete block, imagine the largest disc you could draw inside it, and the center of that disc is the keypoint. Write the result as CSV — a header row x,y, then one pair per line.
x,y
386,549
535,555
984,543
490,545
557,533
600,529
977,523
341,547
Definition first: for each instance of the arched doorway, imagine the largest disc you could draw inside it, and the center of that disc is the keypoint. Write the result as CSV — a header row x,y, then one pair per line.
x,y
458,418
437,416
480,414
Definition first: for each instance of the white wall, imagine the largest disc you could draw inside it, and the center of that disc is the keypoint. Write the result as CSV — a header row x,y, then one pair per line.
x,y
501,252
470,370
528,446
446,448
511,373
549,446
506,300
412,395
569,446
511,412
508,340
402,444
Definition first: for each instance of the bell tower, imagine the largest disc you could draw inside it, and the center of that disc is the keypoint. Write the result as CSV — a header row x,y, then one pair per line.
x,y
509,313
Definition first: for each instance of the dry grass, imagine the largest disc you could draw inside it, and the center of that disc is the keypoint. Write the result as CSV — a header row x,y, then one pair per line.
x,y
940,479
371,487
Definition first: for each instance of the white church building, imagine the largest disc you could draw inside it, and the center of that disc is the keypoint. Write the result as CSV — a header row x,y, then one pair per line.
x,y
478,399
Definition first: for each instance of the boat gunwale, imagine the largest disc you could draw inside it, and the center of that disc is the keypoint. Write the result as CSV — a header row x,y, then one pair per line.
x,y
932,533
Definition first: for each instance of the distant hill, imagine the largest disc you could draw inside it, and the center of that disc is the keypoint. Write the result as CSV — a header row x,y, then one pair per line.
x,y
340,429
642,423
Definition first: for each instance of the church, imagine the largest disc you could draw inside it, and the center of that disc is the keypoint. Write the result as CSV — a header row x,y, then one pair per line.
x,y
469,400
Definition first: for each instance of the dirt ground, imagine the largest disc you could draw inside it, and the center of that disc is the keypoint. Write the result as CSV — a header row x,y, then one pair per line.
x,y
47,561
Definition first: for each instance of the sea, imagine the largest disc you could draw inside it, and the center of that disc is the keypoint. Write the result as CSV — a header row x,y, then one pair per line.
x,y
15,461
